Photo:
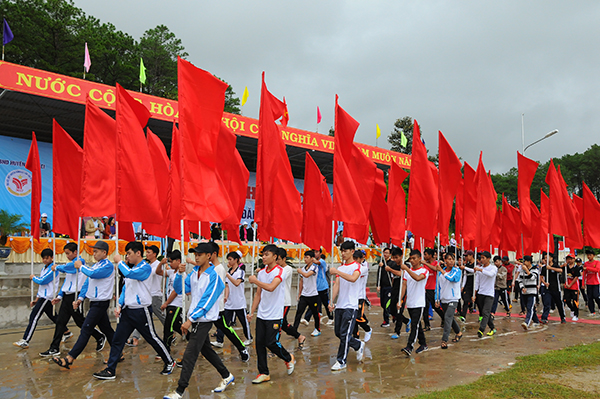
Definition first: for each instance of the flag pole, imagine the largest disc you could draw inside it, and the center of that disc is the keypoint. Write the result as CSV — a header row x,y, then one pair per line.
x,y
116,267
78,254
183,260
253,255
2,52
332,249
84,72
54,256
32,253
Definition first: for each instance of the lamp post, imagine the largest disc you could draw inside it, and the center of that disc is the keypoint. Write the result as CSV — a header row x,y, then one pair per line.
x,y
550,134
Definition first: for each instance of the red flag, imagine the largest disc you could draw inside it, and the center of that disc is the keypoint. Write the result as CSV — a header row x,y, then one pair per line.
x,y
577,241
449,182
98,176
67,159
423,202
544,231
126,231
496,234
137,194
533,242
578,202
469,214
591,215
201,102
316,207
353,174
459,209
511,227
527,169
397,204
486,205
573,222
174,215
160,163
33,165
278,205
379,217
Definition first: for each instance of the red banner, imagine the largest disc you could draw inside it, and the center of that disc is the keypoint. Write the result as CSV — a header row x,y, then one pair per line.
x,y
60,87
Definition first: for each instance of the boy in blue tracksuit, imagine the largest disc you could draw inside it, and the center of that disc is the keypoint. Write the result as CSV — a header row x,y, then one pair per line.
x,y
205,286
322,289
135,312
447,295
42,303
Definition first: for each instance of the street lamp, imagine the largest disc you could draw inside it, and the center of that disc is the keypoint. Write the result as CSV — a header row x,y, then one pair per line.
x,y
552,133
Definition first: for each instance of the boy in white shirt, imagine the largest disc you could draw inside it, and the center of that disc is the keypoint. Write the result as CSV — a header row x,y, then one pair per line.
x,y
288,272
346,289
361,317
485,281
308,295
415,280
235,296
174,302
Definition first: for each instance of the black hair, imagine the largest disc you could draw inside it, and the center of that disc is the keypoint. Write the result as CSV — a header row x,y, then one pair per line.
x,y
348,245
317,250
415,252
497,258
234,255
397,252
310,253
174,255
486,254
71,246
358,254
323,256
215,247
281,253
449,255
387,249
429,251
589,252
135,246
274,249
47,252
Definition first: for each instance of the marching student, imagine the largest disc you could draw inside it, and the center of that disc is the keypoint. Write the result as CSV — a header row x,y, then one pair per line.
x,y
361,317
500,287
268,303
551,290
530,279
485,280
468,281
308,295
322,289
447,295
288,271
221,323
346,289
43,301
579,265
205,286
571,293
397,303
431,264
173,304
591,280
384,286
134,311
98,287
414,281
73,280
235,300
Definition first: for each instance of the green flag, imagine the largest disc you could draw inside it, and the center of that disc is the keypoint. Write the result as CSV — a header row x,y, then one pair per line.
x,y
403,139
142,72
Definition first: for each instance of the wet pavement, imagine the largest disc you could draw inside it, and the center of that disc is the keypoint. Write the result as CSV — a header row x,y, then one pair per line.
x,y
386,372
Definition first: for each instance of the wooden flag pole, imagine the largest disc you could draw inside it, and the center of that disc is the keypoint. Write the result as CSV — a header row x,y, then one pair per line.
x,y
32,253
183,260
117,266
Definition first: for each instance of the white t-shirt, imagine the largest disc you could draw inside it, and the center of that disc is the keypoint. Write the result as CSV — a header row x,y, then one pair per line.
x,y
237,295
220,269
349,292
270,306
155,281
309,284
364,276
170,279
415,290
288,271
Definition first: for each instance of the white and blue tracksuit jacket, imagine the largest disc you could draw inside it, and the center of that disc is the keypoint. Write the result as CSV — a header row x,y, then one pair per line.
x,y
100,284
205,289
136,291
448,286
71,277
46,282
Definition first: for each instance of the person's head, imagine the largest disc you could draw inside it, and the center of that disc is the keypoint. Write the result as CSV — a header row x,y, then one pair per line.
x,y
505,260
135,252
70,249
269,254
47,256
100,250
202,254
497,261
469,256
358,256
589,254
44,217
105,219
578,261
233,259
397,255
309,257
152,252
281,256
428,254
347,250
450,259
174,259
528,260
570,259
111,221
415,258
486,257
214,256
318,252
387,253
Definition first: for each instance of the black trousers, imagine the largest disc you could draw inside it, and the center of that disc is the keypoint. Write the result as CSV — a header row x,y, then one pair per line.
x,y
96,316
41,306
416,328
323,300
229,332
467,300
65,313
345,319
485,303
311,302
199,342
548,297
430,300
571,299
394,299
230,316
400,318
172,325
385,298
501,294
286,326
267,336
593,294
361,318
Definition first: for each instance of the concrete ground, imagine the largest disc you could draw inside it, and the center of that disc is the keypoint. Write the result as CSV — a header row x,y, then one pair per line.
x,y
386,372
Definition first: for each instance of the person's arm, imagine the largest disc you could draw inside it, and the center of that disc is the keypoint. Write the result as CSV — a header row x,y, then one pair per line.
x,y
453,275
139,273
415,276
234,281
226,293
402,295
334,293
255,303
267,287
159,269
45,278
393,271
208,299
595,268
170,299
489,271
104,271
348,277
300,286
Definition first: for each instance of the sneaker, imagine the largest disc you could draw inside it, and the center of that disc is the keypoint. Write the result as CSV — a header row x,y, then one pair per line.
x,y
157,357
421,349
395,336
261,378
169,367
324,318
105,375
408,326
385,325
174,340
574,318
225,382
407,351
330,322
563,321
133,342
316,333
217,344
480,334
66,336
368,336
179,363
173,395
338,366
592,315
544,322
245,355
525,326
461,319
490,333
427,328
100,343
508,315
551,310
21,344
248,342
50,352
290,365
360,353
303,321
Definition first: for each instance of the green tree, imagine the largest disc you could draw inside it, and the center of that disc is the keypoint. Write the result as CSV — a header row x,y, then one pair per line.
x,y
232,103
402,125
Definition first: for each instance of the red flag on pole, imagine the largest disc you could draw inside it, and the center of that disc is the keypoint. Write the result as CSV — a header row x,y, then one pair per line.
x,y
397,204
98,176
160,163
449,182
591,215
574,236
459,209
33,165
486,205
527,169
533,242
469,215
174,212
379,217
316,207
67,159
511,227
278,204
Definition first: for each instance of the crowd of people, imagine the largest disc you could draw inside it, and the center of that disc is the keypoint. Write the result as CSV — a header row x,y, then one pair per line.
x,y
451,284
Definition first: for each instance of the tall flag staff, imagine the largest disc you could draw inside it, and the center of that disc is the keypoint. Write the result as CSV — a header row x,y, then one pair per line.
x,y
244,98
87,61
142,74
318,118
7,35
33,165
377,134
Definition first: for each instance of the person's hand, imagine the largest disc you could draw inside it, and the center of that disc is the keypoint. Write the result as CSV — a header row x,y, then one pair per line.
x,y
333,270
32,303
53,267
252,279
378,289
118,312
547,284
163,260
398,305
76,304
31,276
249,316
186,326
55,301
117,258
437,304
331,307
77,264
380,264
163,306
403,266
473,299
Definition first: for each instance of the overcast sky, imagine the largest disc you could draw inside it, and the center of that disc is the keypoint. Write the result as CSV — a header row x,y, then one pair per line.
x,y
467,68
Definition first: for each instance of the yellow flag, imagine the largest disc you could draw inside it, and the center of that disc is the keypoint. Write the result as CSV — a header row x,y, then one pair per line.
x,y
378,131
245,96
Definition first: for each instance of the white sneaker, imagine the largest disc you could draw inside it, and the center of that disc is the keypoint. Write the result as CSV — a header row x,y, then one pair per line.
x,y
315,333
324,319
360,353
303,321
217,344
65,337
574,318
337,366
248,341
525,326
225,383
21,344
173,395
368,336
330,322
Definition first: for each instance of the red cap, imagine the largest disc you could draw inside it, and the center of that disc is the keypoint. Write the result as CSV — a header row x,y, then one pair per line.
x,y
570,255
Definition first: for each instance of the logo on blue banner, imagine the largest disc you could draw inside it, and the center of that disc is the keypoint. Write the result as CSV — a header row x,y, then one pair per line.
x,y
18,182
